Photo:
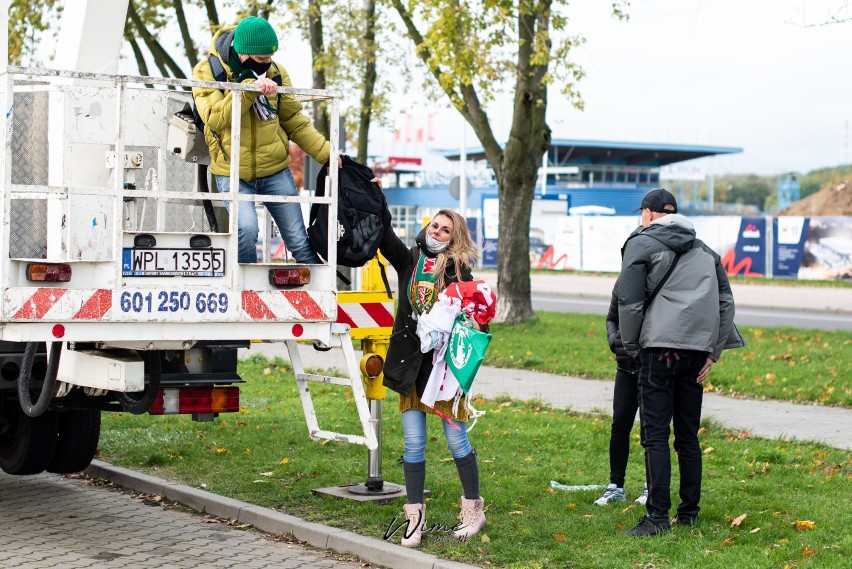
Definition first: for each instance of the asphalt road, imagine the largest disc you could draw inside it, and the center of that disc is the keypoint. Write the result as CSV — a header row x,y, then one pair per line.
x,y
747,316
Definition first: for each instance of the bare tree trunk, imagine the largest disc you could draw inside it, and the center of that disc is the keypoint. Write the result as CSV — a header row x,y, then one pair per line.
x,y
369,79
516,165
140,58
212,15
266,11
529,138
188,44
164,61
321,121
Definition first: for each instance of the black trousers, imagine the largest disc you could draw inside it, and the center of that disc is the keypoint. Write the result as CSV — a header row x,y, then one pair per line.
x,y
668,393
625,402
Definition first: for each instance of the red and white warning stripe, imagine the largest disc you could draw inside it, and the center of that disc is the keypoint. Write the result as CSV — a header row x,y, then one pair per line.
x,y
26,304
288,305
366,314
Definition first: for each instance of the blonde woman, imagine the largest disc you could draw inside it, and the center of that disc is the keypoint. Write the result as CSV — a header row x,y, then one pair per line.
x,y
443,254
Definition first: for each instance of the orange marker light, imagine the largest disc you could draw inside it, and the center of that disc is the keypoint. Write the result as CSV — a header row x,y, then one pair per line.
x,y
49,272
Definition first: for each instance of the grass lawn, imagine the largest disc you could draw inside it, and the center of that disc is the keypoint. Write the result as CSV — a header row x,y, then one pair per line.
x,y
777,363
765,503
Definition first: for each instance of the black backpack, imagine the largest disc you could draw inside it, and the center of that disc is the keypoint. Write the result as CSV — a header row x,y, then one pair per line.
x,y
360,208
220,75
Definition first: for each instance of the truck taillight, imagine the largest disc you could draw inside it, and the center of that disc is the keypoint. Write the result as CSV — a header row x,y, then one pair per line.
x,y
49,272
285,278
196,400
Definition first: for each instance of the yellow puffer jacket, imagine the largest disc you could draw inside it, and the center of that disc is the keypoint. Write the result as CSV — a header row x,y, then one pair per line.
x,y
264,145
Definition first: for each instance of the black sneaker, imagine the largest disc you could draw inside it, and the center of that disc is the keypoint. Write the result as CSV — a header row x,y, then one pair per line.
x,y
647,527
685,520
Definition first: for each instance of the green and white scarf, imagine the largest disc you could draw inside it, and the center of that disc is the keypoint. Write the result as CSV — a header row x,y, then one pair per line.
x,y
423,286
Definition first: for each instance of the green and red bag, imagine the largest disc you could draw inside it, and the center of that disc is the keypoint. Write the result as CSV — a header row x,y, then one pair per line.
x,y
465,351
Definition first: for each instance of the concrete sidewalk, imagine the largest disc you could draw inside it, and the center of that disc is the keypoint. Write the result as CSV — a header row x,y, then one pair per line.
x,y
765,418
373,550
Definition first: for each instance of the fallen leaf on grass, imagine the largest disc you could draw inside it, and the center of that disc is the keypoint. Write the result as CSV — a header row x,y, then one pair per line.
x,y
738,520
485,539
728,542
560,537
755,530
708,450
802,525
807,552
516,513
270,473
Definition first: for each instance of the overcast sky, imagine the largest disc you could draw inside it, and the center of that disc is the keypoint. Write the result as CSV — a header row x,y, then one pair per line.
x,y
744,73
735,73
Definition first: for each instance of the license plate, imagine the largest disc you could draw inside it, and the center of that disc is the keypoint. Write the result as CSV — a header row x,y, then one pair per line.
x,y
173,263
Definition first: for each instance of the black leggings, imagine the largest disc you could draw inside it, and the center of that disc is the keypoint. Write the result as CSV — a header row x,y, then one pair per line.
x,y
625,403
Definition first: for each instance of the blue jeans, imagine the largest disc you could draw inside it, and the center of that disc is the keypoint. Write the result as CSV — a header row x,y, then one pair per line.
x,y
287,216
668,393
414,428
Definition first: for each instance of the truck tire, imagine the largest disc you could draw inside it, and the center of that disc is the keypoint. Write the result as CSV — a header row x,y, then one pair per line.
x,y
79,431
26,443
137,404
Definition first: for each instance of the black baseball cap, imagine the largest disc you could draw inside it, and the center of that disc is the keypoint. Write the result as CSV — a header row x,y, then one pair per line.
x,y
659,200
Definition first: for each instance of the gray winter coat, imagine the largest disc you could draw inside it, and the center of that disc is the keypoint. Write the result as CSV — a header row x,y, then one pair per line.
x,y
695,308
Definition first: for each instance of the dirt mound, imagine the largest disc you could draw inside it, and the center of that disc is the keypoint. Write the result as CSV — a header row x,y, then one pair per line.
x,y
830,201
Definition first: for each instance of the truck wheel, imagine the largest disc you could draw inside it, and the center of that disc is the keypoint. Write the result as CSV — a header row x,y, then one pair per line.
x,y
139,404
26,443
79,431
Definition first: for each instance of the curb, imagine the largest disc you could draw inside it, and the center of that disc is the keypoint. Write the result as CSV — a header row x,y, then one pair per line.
x,y
369,549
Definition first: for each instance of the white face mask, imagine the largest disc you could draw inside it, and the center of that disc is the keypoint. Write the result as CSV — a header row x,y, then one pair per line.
x,y
434,245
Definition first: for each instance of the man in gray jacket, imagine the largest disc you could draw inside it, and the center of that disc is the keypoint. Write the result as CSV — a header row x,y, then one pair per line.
x,y
677,334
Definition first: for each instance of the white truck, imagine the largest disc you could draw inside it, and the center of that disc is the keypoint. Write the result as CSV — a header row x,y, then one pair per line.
x,y
120,289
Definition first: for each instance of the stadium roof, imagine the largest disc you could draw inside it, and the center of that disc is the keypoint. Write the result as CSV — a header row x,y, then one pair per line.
x,y
566,152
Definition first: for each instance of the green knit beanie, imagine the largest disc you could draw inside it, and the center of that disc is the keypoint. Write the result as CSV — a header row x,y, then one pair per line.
x,y
255,36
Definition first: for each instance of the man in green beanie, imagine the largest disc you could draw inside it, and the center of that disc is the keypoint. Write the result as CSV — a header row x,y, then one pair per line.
x,y
268,123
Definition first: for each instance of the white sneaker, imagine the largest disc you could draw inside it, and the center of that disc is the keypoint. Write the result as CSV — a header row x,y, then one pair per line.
x,y
612,494
643,497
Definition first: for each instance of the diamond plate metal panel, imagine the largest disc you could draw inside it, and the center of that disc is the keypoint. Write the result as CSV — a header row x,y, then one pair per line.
x,y
29,166
28,229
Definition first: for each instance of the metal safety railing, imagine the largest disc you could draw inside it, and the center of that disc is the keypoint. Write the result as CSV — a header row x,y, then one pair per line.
x,y
118,87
